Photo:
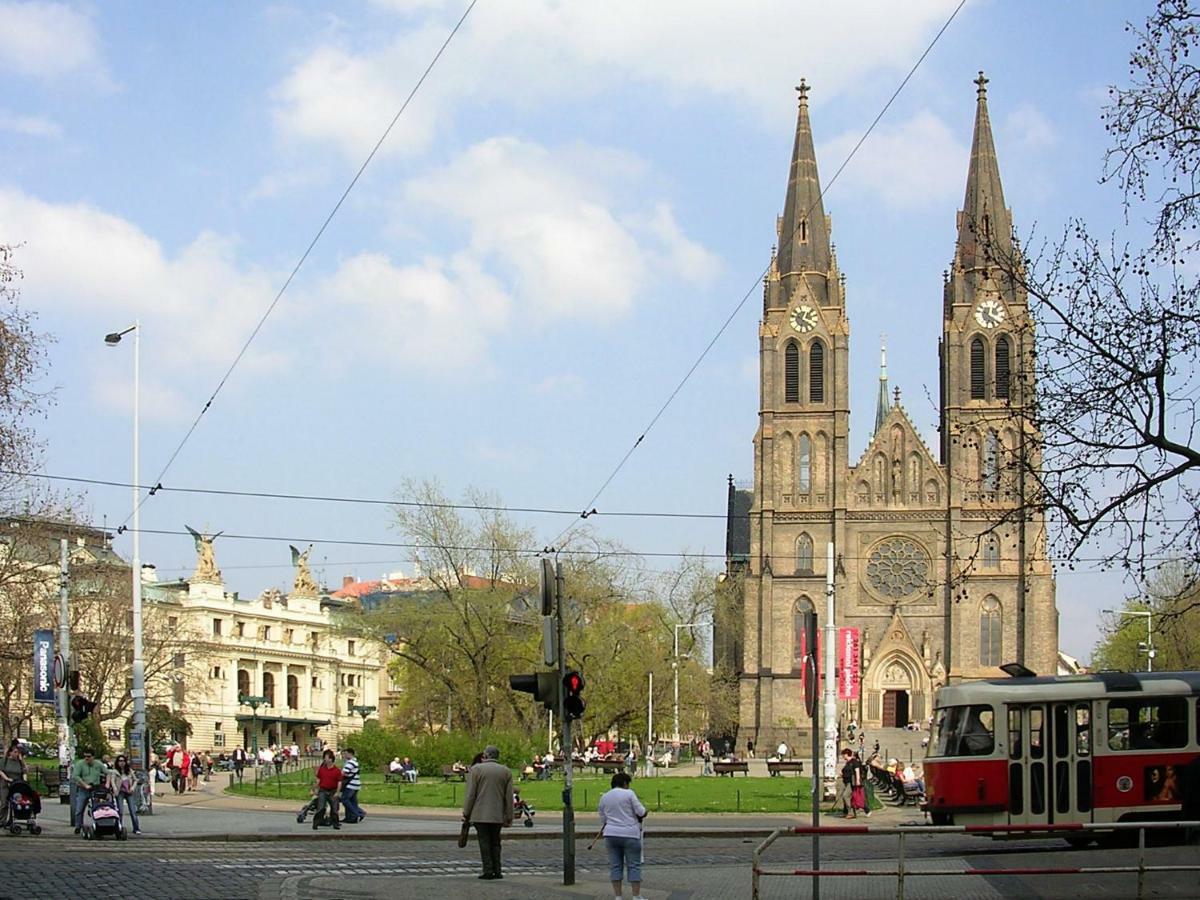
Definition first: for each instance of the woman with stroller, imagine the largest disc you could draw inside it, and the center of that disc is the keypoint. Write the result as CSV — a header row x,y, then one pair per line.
x,y
12,770
123,783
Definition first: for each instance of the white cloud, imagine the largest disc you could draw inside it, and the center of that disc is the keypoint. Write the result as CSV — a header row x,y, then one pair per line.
x,y
526,52
30,126
48,40
1026,126
917,164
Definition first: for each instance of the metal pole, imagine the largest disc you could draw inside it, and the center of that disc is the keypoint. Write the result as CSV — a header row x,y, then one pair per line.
x,y
649,726
137,734
550,733
815,782
66,737
830,676
675,665
1149,641
568,771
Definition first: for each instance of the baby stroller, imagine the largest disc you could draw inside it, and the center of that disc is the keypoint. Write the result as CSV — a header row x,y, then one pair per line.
x,y
102,816
522,809
24,804
311,807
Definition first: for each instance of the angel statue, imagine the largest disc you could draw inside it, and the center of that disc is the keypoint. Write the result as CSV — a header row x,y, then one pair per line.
x,y
305,584
206,566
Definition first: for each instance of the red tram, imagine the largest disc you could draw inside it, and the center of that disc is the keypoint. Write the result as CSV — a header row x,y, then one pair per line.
x,y
1109,747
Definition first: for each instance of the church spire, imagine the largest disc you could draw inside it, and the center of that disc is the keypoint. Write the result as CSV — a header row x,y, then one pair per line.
x,y
803,231
984,218
882,406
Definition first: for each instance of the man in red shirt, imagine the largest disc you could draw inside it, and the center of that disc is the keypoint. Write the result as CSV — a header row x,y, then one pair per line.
x,y
329,776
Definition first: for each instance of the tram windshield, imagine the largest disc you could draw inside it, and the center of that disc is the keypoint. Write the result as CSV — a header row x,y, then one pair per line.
x,y
964,731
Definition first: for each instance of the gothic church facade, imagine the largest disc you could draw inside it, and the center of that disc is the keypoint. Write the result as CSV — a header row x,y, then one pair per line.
x,y
933,563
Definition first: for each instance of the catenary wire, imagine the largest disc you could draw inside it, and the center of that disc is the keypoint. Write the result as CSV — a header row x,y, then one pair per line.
x,y
589,506
303,257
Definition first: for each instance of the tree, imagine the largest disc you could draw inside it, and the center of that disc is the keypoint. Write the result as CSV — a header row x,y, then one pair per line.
x,y
1118,327
22,359
1171,597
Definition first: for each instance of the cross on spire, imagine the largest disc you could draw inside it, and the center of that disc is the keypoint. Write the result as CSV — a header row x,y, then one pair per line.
x,y
802,89
981,85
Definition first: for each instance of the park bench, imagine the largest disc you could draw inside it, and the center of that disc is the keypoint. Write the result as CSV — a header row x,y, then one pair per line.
x,y
389,776
776,766
728,768
448,773
607,765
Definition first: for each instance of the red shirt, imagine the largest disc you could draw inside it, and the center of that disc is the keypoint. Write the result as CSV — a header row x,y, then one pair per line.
x,y
328,777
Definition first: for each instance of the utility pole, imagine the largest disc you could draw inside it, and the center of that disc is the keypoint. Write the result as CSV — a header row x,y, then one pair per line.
x,y
830,677
66,737
568,774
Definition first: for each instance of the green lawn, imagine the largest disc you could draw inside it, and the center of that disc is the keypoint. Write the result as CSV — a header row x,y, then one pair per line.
x,y
721,794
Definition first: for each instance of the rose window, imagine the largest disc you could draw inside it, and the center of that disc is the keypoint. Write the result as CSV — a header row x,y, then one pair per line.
x,y
897,567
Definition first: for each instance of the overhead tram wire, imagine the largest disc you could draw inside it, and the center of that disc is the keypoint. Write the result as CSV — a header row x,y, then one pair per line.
x,y
589,507
295,269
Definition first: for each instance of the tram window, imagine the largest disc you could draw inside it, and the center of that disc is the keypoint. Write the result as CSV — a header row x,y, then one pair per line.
x,y
1147,724
1015,744
1035,733
966,731
1083,737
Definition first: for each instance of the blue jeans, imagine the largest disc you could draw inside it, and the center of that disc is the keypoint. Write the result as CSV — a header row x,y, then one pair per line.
x,y
130,804
78,803
624,853
350,801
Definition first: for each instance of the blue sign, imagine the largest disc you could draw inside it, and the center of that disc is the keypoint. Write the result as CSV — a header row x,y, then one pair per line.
x,y
43,666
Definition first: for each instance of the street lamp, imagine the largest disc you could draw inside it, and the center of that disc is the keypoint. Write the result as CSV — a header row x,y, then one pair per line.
x,y
675,666
363,711
254,702
1148,646
137,734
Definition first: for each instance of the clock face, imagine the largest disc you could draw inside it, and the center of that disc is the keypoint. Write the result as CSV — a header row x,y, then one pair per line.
x,y
989,313
804,318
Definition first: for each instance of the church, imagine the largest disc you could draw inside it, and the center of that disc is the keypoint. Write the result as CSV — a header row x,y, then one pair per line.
x,y
939,560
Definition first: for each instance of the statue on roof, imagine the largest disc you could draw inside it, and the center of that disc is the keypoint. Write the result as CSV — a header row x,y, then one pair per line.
x,y
305,585
206,565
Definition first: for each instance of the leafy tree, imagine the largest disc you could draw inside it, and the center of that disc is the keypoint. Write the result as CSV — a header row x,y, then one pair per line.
x,y
1171,597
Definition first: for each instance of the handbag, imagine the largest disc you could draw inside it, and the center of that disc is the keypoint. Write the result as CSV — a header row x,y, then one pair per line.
x,y
858,798
464,833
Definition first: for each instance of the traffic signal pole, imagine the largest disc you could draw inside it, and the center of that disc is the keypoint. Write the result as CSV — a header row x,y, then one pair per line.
x,y
568,826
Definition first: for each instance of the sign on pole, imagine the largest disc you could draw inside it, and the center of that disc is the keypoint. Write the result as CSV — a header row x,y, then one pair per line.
x,y
848,671
43,666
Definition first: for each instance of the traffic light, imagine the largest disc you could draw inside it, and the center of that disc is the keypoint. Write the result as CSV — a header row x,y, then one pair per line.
x,y
573,695
543,685
81,708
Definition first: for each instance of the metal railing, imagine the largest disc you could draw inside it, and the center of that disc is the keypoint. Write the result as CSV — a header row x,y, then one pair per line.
x,y
902,872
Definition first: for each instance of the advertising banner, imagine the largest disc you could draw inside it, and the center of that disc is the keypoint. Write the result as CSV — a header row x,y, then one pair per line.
x,y
43,666
848,671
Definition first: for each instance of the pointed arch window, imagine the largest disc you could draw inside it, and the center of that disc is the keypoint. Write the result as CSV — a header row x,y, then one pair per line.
x,y
804,555
804,231
1003,367
991,632
991,552
791,374
799,650
816,373
977,376
991,462
804,466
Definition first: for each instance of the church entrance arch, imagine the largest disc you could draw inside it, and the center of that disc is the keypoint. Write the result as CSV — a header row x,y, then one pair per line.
x,y
897,682
895,708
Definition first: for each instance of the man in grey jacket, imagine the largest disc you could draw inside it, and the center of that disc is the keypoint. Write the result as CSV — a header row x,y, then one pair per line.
x,y
489,807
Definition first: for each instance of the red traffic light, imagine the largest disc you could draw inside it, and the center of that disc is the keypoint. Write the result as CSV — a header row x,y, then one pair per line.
x,y
573,704
573,682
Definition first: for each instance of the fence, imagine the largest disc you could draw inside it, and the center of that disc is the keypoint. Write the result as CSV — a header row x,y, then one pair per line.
x,y
902,872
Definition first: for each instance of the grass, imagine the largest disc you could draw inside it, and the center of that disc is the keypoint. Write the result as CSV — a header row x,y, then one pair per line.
x,y
786,794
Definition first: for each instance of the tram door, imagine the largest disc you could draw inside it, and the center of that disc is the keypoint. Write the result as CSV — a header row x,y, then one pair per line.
x,y
1050,763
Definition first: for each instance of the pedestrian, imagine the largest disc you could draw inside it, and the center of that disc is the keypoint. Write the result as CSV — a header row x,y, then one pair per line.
x,y
123,782
858,793
239,761
328,777
86,774
277,759
621,815
197,767
488,806
351,785
185,771
843,797
750,749
706,753
12,769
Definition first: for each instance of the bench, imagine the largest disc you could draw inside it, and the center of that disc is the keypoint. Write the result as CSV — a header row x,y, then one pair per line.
x,y
728,768
607,765
448,773
776,766
389,776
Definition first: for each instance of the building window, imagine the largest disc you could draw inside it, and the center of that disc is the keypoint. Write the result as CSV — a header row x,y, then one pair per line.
x,y
804,555
314,682
264,632
791,374
1003,367
804,231
977,377
313,637
990,632
241,629
288,635
243,683
799,647
293,692
350,648
991,552
269,688
991,462
804,469
349,704
816,373
216,672
216,726
178,660
218,738
216,627
172,621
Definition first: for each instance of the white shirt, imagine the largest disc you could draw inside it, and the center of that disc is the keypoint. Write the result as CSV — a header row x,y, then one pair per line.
x,y
782,751
620,810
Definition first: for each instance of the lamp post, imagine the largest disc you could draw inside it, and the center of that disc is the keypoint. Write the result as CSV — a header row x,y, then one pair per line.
x,y
1148,647
254,702
363,711
675,666
137,734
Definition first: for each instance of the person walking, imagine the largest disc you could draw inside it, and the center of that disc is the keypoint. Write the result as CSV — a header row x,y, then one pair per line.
x,y
858,791
122,781
196,767
86,774
351,785
488,806
621,815
328,777
239,761
844,793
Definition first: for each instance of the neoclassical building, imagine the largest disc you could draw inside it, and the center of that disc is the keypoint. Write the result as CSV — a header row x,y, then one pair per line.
x,y
932,565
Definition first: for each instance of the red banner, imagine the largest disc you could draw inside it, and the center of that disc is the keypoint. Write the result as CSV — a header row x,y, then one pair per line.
x,y
848,672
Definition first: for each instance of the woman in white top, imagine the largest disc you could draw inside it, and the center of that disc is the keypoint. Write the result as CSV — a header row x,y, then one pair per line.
x,y
621,814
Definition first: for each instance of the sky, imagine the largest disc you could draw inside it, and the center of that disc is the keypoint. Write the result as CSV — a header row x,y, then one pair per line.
x,y
573,204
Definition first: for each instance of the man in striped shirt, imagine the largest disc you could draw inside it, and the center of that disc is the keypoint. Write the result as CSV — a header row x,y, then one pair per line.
x,y
351,784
